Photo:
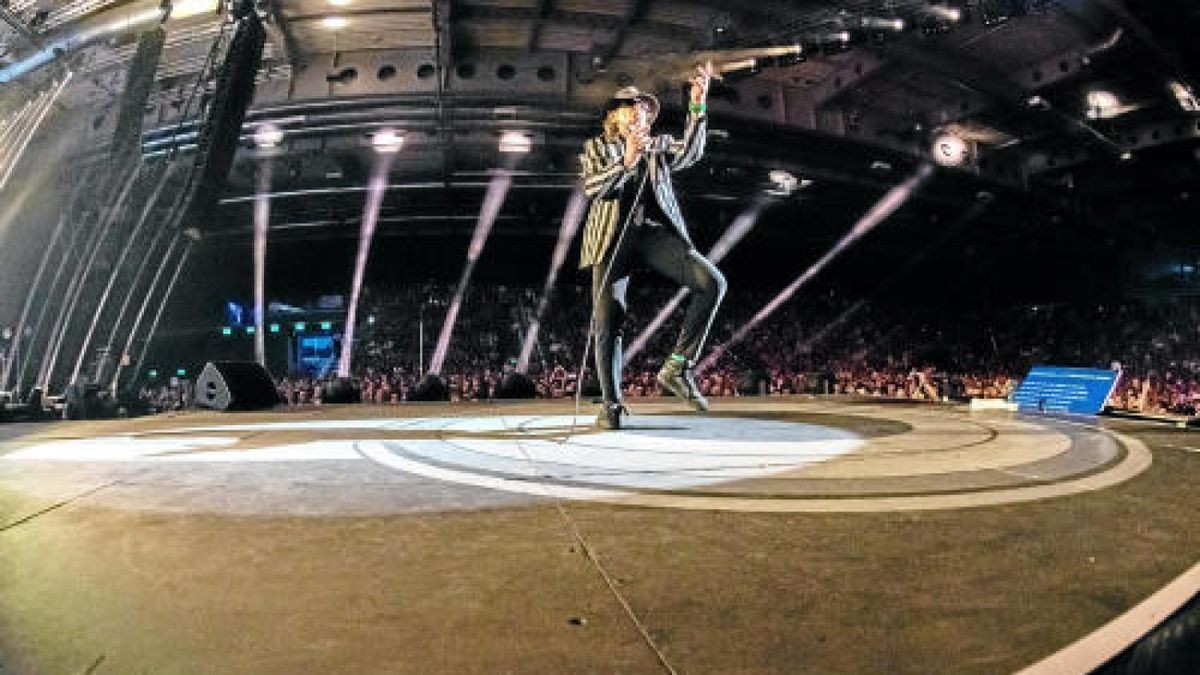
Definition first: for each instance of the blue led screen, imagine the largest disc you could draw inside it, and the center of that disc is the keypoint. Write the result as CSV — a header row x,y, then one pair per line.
x,y
1081,391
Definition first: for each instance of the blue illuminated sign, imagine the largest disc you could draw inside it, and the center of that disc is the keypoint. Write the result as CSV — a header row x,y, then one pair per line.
x,y
1081,391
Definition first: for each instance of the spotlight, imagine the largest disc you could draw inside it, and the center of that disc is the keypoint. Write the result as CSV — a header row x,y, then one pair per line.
x,y
268,136
1102,104
782,183
949,150
945,12
880,23
1185,96
515,142
334,22
1126,156
834,39
387,141
1038,102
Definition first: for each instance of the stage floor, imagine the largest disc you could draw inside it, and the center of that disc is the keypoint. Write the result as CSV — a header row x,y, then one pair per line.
x,y
773,535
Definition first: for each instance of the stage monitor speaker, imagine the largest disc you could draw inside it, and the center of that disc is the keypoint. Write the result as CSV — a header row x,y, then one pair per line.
x,y
341,390
83,402
431,388
235,385
516,386
750,384
591,387
33,404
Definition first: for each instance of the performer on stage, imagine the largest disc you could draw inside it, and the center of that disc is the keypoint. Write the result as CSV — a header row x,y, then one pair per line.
x,y
634,219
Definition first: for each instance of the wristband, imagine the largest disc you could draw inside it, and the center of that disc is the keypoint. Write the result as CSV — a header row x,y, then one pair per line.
x,y
698,108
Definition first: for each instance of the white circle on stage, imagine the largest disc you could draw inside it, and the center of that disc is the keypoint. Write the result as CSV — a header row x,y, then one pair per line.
x,y
754,461
541,456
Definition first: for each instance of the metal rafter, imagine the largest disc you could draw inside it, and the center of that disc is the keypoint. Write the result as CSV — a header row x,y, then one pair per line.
x,y
544,8
636,12
763,11
443,34
281,34
367,13
593,20
9,17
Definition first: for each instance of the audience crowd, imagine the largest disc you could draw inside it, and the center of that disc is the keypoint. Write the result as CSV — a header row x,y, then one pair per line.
x,y
823,344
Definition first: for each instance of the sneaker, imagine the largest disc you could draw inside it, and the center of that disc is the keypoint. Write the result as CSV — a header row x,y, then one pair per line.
x,y
610,416
676,377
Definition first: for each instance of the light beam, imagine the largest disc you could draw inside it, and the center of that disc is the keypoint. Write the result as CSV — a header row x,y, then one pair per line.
x,y
884,208
262,222
740,227
492,201
968,217
572,218
377,188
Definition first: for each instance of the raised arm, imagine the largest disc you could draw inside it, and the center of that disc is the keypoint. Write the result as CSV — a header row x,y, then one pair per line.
x,y
687,151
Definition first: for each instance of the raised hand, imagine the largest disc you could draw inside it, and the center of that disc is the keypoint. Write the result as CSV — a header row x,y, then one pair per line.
x,y
635,144
700,82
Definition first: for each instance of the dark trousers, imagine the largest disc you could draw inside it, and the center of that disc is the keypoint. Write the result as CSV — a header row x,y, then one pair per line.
x,y
661,249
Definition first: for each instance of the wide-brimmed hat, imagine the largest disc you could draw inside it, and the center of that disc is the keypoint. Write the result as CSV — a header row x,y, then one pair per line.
x,y
630,96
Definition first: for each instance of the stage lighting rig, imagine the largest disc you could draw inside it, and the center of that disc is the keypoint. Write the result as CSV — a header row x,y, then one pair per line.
x,y
1038,103
947,13
387,141
950,150
1103,105
268,136
877,23
1185,96
784,183
515,142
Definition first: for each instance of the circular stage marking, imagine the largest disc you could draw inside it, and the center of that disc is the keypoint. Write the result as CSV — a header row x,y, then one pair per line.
x,y
673,461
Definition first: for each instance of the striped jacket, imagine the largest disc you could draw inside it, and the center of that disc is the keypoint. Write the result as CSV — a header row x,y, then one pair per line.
x,y
606,182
